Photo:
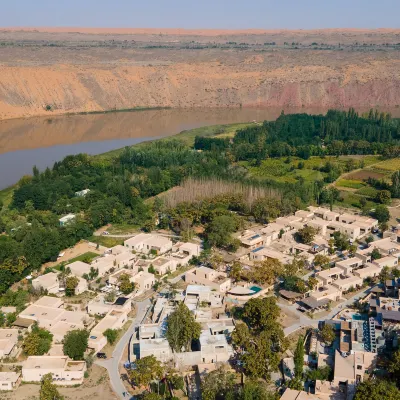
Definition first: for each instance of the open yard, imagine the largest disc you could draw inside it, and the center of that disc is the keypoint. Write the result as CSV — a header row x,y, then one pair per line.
x,y
95,387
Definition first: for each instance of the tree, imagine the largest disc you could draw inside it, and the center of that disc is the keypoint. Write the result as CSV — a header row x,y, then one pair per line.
x,y
327,334
48,391
217,384
75,343
2,319
383,197
110,296
261,313
37,342
147,369
375,254
151,396
182,328
299,358
377,389
341,241
322,261
394,365
395,188
266,271
384,274
369,239
125,285
312,282
307,234
382,213
71,282
219,231
236,271
111,335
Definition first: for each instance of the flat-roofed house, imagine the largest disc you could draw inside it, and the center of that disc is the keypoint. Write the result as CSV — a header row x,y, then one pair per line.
x,y
143,281
8,342
82,286
369,271
349,264
347,283
388,261
9,380
209,277
251,239
157,347
329,292
263,253
327,276
163,265
48,282
182,253
147,243
64,371
350,370
113,320
79,268
214,348
99,306
114,278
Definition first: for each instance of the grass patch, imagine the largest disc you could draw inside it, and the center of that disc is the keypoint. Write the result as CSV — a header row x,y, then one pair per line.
x,y
6,195
349,183
87,257
388,165
106,241
352,200
117,229
367,191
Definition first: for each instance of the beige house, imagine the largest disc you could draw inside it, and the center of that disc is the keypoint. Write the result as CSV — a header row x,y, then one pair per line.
x,y
9,380
351,370
143,281
79,268
163,265
48,282
113,320
328,292
113,279
350,282
264,253
49,314
388,261
209,277
369,271
147,243
82,286
64,371
8,342
99,306
251,239
349,264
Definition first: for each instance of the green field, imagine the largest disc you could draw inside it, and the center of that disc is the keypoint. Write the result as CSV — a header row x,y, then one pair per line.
x,y
87,257
349,183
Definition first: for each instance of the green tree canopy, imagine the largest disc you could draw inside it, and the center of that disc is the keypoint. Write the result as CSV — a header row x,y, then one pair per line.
x,y
147,369
182,329
37,342
48,390
377,389
75,343
111,335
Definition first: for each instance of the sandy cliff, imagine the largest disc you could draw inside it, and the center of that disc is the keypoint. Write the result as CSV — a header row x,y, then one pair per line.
x,y
38,69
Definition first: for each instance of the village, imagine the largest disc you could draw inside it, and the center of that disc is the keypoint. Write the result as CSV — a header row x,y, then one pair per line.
x,y
344,299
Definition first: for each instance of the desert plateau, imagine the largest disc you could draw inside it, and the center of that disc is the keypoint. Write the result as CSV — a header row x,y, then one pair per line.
x,y
50,71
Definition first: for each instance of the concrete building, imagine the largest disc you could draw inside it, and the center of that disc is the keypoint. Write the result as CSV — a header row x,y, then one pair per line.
x,y
388,261
48,282
251,239
64,371
8,342
9,380
369,271
99,306
147,243
347,283
82,286
349,265
79,268
67,219
209,277
113,320
49,314
264,253
143,281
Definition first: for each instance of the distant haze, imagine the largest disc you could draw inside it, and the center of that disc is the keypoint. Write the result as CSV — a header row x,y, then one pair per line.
x,y
222,14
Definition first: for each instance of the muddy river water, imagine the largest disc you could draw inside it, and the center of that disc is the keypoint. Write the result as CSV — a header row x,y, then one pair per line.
x,y
41,141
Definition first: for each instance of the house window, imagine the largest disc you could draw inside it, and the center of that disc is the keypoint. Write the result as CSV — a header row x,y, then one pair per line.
x,y
359,366
45,313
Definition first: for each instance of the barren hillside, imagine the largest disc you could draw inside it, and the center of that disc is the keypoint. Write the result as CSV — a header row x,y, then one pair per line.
x,y
54,71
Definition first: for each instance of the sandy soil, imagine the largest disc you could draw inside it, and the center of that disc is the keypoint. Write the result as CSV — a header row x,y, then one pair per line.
x,y
80,70
288,318
95,387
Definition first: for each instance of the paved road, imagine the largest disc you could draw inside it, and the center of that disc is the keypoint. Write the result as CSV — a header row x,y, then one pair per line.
x,y
306,321
112,364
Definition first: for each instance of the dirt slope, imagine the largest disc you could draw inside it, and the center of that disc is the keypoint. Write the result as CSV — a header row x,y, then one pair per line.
x,y
74,70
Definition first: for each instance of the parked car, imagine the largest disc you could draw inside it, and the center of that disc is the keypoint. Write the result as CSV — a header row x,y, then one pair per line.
x,y
101,355
106,233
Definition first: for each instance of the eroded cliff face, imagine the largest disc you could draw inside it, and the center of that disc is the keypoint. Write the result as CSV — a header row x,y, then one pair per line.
x,y
69,79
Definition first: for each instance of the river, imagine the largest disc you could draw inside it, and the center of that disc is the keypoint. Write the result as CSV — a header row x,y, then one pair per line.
x,y
41,141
